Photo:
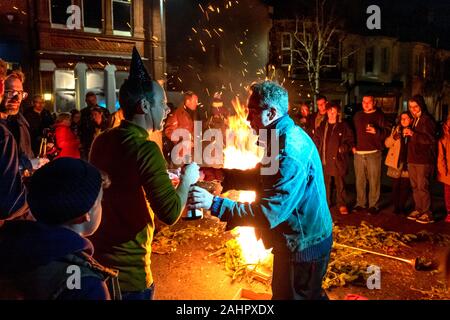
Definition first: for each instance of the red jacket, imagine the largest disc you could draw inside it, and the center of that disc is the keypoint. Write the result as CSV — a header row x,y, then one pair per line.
x,y
67,141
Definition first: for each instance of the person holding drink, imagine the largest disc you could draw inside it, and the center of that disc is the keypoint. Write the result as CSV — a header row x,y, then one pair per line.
x,y
371,130
140,185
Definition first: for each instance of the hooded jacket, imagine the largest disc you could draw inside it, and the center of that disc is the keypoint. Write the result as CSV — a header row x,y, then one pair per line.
x,y
35,260
422,145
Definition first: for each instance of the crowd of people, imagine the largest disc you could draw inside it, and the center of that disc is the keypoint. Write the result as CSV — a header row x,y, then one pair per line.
x,y
416,153
90,179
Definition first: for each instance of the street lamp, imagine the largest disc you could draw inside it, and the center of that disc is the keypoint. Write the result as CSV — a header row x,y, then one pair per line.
x,y
47,96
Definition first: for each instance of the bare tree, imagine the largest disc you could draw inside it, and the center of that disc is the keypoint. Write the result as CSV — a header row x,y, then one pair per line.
x,y
313,36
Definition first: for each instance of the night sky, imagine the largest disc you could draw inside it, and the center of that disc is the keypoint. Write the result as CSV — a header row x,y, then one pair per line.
x,y
204,59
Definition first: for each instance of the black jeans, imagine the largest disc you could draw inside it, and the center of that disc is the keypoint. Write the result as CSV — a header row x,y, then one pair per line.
x,y
298,280
420,176
401,193
339,185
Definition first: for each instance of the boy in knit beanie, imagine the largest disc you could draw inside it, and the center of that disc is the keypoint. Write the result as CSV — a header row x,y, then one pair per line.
x,y
51,258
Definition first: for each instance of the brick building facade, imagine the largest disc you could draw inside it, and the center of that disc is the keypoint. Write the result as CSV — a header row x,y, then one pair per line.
x,y
69,47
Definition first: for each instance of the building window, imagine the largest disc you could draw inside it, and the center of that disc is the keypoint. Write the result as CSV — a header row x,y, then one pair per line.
x,y
386,104
420,69
92,15
286,49
122,17
95,82
385,60
351,59
369,59
286,58
64,90
286,41
58,12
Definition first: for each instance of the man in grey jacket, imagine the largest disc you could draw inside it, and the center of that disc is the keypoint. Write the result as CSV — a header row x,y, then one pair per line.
x,y
290,211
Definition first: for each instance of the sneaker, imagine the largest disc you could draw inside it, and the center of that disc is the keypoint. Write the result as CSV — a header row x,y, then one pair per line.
x,y
425,218
374,210
358,209
413,215
447,219
343,210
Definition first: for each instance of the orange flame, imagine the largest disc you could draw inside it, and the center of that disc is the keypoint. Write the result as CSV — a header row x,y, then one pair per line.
x,y
241,151
253,250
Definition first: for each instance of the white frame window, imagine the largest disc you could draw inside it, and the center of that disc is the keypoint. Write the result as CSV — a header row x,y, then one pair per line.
x,y
286,49
90,29
57,25
121,32
288,45
67,88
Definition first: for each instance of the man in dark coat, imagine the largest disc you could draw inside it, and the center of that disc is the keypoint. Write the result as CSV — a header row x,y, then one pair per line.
x,y
315,119
334,140
87,124
38,119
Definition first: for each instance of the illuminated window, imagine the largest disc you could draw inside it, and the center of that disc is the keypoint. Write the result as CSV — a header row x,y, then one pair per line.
x,y
122,17
64,90
95,82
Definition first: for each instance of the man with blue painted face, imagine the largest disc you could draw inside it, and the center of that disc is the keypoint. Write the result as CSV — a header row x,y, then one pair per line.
x,y
290,211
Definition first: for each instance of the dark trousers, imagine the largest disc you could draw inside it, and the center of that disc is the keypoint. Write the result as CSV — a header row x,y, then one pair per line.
x,y
298,280
401,193
338,183
420,176
146,294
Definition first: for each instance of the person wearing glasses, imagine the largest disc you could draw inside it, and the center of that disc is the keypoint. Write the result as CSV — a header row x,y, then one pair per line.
x,y
12,191
16,122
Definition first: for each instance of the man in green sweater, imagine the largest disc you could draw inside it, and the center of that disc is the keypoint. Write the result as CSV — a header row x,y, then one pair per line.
x,y
140,185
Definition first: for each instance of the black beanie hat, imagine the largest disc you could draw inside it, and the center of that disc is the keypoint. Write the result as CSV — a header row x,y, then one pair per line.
x,y
63,190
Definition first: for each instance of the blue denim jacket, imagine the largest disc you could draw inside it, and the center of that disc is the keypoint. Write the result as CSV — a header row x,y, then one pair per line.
x,y
291,210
